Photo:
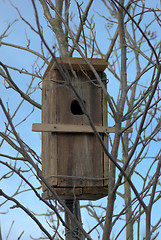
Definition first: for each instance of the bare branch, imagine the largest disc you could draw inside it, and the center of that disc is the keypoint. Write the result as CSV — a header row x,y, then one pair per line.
x,y
13,85
25,49
19,205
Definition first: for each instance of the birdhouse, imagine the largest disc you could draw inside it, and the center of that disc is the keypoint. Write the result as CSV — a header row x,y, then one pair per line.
x,y
73,160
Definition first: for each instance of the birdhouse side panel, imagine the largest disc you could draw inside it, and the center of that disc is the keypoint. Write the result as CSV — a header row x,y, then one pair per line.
x,y
105,138
49,158
49,139
49,90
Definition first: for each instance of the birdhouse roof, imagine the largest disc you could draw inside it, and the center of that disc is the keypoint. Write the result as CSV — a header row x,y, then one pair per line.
x,y
77,64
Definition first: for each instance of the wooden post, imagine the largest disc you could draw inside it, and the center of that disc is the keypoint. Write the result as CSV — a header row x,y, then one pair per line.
x,y
74,207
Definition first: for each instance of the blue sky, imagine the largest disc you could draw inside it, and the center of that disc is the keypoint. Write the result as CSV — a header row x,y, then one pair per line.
x,y
19,34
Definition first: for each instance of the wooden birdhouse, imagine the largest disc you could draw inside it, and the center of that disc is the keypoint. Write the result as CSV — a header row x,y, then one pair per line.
x,y
73,160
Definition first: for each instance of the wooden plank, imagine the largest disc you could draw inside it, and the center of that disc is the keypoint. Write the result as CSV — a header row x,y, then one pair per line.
x,y
105,137
85,193
69,128
77,64
64,193
80,63
49,139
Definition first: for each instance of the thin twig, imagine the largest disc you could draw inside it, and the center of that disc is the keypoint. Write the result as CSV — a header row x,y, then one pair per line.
x,y
19,205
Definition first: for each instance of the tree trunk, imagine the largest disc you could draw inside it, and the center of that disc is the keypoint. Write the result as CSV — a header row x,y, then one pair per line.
x,y
127,199
127,193
111,194
148,220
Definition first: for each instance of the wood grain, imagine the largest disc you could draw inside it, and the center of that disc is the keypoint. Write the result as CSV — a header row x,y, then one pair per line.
x,y
69,128
78,64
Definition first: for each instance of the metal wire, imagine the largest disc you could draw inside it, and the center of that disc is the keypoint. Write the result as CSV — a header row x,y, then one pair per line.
x,y
77,177
64,84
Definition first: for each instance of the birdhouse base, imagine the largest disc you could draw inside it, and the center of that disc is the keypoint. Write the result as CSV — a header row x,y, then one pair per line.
x,y
85,193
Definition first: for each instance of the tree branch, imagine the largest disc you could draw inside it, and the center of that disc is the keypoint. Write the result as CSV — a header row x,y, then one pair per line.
x,y
19,205
14,86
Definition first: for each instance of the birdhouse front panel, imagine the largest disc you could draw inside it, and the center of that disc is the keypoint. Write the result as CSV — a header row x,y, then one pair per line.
x,y
78,153
72,155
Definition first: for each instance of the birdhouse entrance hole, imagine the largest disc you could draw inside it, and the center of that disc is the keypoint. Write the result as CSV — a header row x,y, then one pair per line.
x,y
76,108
